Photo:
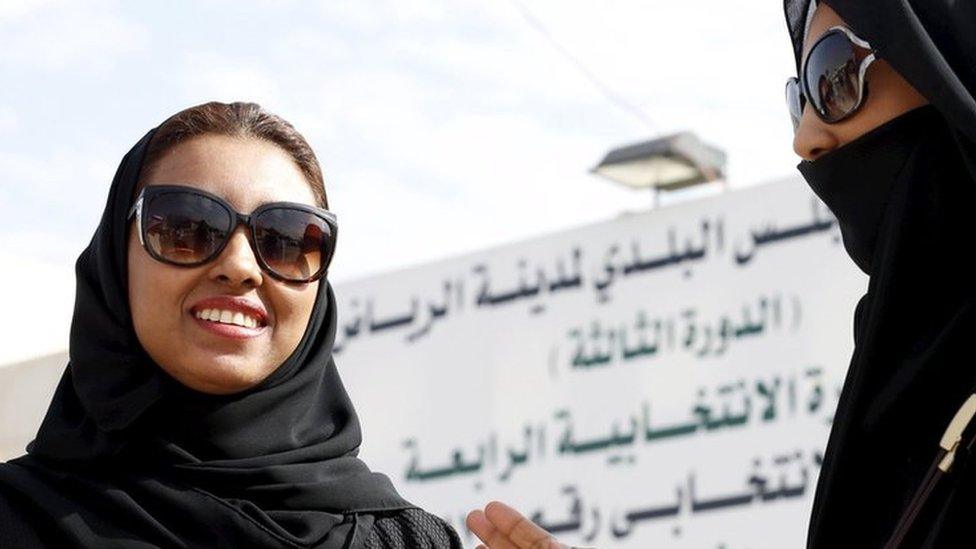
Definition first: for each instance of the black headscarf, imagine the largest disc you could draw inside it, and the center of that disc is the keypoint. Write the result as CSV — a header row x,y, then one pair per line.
x,y
908,225
128,457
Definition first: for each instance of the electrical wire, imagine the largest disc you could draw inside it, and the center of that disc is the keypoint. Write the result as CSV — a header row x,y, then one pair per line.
x,y
606,90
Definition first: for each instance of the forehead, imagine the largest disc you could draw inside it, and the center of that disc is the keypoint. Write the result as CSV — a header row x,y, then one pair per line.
x,y
247,172
823,18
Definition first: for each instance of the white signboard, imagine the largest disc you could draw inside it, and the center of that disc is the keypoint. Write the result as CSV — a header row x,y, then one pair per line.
x,y
664,379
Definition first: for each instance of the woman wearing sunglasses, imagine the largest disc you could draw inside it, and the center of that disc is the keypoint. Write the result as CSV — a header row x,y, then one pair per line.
x,y
201,406
884,108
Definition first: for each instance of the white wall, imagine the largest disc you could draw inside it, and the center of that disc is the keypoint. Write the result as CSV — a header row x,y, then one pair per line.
x,y
25,391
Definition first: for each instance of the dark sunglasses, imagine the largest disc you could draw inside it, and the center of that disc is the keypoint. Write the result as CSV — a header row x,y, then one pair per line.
x,y
835,65
186,226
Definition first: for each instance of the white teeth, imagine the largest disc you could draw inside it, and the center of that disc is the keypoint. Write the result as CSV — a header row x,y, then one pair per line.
x,y
228,317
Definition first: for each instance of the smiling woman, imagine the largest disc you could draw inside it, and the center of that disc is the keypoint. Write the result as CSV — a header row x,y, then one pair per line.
x,y
215,355
201,406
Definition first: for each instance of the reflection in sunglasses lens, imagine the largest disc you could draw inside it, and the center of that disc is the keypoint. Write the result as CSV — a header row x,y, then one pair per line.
x,y
185,228
293,243
831,76
794,102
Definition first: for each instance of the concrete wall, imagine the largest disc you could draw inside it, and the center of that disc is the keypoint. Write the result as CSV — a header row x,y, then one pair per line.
x,y
25,392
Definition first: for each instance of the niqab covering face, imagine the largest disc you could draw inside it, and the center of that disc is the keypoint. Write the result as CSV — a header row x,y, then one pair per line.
x,y
907,224
126,456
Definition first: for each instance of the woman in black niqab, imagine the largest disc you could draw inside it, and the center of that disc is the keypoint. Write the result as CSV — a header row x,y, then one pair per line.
x,y
128,457
904,194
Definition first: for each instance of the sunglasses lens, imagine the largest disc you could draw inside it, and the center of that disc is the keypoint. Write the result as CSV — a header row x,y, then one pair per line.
x,y
293,243
185,228
832,77
794,102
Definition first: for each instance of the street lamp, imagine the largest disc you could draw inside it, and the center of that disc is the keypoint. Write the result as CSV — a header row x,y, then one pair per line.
x,y
667,163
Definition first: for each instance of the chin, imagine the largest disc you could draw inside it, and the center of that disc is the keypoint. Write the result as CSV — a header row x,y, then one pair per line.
x,y
223,379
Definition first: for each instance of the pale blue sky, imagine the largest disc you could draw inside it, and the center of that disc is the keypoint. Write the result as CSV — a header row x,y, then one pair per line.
x,y
443,126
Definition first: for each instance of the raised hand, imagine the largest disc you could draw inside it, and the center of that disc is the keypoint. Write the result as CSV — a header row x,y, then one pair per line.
x,y
501,527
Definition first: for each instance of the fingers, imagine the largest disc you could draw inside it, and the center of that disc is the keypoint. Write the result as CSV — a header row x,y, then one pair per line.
x,y
501,527
524,533
479,524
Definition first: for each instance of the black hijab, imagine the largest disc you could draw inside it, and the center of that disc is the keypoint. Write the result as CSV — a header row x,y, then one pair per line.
x,y
904,194
128,457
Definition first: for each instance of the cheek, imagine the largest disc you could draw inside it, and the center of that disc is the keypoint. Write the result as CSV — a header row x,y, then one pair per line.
x,y
889,95
902,95
137,281
153,292
294,310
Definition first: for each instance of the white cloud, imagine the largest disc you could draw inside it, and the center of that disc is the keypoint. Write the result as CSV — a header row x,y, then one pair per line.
x,y
9,119
12,10
212,76
72,37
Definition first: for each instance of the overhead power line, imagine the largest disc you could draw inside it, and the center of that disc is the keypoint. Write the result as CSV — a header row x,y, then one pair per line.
x,y
615,98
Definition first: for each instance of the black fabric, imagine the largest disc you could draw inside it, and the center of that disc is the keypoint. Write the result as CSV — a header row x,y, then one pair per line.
x,y
411,529
128,457
912,365
16,528
855,180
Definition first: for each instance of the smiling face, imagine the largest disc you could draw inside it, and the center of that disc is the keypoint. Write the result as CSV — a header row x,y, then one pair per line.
x,y
165,299
890,96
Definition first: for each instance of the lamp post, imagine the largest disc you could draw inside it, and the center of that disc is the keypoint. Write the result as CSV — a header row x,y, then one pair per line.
x,y
666,163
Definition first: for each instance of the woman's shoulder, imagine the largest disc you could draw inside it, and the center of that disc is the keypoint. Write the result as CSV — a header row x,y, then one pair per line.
x,y
411,528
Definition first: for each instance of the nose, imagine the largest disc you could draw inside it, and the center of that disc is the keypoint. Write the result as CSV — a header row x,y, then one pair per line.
x,y
236,264
813,136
